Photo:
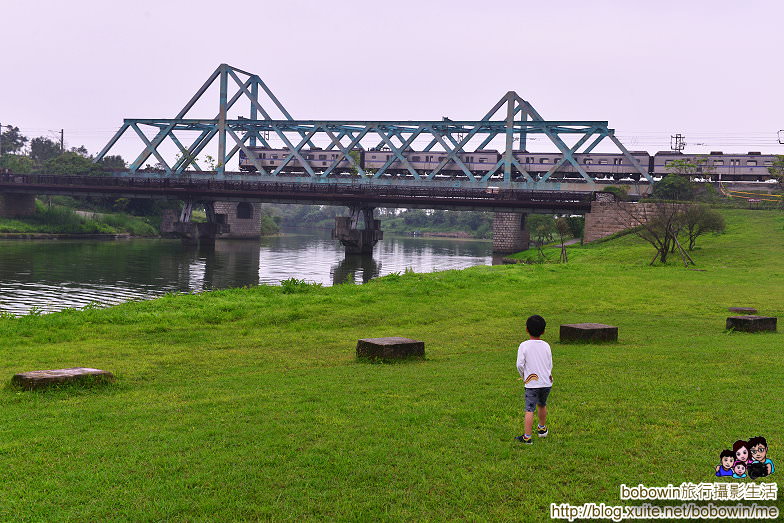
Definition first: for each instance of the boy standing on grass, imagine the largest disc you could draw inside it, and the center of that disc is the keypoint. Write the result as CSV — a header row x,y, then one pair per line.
x,y
535,365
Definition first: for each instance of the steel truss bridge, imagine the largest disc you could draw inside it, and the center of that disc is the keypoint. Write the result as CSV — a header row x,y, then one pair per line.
x,y
507,126
176,143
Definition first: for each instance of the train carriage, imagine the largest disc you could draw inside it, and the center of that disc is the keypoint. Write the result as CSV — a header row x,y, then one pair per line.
x,y
424,162
717,166
602,166
318,159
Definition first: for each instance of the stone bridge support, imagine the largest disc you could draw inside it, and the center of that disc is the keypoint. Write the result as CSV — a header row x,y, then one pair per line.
x,y
14,205
194,233
509,232
232,220
358,240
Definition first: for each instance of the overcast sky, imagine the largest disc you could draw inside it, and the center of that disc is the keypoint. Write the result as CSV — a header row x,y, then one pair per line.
x,y
711,70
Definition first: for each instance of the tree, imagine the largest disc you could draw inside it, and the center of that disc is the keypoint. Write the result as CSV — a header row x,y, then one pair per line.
x,y
564,229
541,227
777,170
658,223
113,162
673,187
17,163
690,168
11,140
70,163
679,183
43,149
699,220
81,151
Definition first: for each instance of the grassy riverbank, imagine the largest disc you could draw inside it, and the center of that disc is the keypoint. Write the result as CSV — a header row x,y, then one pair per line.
x,y
63,220
248,403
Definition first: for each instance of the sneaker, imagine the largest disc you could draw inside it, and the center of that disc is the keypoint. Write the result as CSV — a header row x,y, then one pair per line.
x,y
523,439
542,431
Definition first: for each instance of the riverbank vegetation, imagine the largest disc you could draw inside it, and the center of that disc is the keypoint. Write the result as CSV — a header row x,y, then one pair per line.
x,y
250,404
57,219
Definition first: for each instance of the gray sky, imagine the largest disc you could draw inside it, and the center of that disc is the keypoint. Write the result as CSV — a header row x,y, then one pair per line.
x,y
708,69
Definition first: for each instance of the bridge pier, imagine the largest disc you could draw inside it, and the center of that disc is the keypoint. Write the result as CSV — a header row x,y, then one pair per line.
x,y
195,233
16,205
509,232
354,239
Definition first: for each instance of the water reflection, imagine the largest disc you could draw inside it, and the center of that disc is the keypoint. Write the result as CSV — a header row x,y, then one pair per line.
x,y
49,275
357,268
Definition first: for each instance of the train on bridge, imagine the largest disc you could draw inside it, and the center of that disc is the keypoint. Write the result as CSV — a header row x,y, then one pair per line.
x,y
716,166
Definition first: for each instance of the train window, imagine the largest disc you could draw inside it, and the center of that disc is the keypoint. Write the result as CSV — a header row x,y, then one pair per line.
x,y
734,162
529,160
263,155
428,159
373,156
322,157
718,162
751,163
482,160
588,161
543,160
275,156
618,161
768,162
416,158
441,158
602,162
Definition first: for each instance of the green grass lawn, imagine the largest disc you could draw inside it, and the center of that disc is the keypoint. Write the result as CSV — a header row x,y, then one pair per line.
x,y
249,403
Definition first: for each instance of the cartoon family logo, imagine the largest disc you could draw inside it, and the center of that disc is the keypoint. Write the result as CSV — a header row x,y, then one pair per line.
x,y
746,459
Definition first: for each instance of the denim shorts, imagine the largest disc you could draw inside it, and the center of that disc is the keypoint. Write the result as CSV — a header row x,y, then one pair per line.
x,y
534,397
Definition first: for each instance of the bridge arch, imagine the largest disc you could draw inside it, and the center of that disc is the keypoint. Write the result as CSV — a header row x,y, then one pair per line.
x,y
244,211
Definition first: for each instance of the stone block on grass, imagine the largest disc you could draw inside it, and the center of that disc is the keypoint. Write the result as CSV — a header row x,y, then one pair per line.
x,y
751,323
588,333
743,310
41,379
390,348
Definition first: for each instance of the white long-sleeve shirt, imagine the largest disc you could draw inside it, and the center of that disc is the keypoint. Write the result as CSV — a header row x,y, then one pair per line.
x,y
535,364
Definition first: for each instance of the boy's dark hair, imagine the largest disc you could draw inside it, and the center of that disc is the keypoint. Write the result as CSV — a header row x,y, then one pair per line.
x,y
535,325
727,453
753,442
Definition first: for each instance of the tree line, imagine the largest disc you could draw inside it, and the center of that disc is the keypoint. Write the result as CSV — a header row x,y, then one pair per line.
x,y
22,155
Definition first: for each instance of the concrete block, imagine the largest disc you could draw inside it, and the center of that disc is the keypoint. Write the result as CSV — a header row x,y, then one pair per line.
x,y
40,379
588,332
390,348
751,323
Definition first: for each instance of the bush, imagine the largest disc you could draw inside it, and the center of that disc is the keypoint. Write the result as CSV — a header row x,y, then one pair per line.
x,y
268,225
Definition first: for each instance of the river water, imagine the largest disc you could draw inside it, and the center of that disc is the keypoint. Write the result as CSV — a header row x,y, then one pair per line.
x,y
50,275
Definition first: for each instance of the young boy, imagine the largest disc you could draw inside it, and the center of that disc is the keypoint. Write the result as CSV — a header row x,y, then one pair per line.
x,y
535,365
727,458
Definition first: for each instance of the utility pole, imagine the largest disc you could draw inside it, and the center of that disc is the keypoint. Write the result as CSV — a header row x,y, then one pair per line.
x,y
62,141
1,138
677,142
781,136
